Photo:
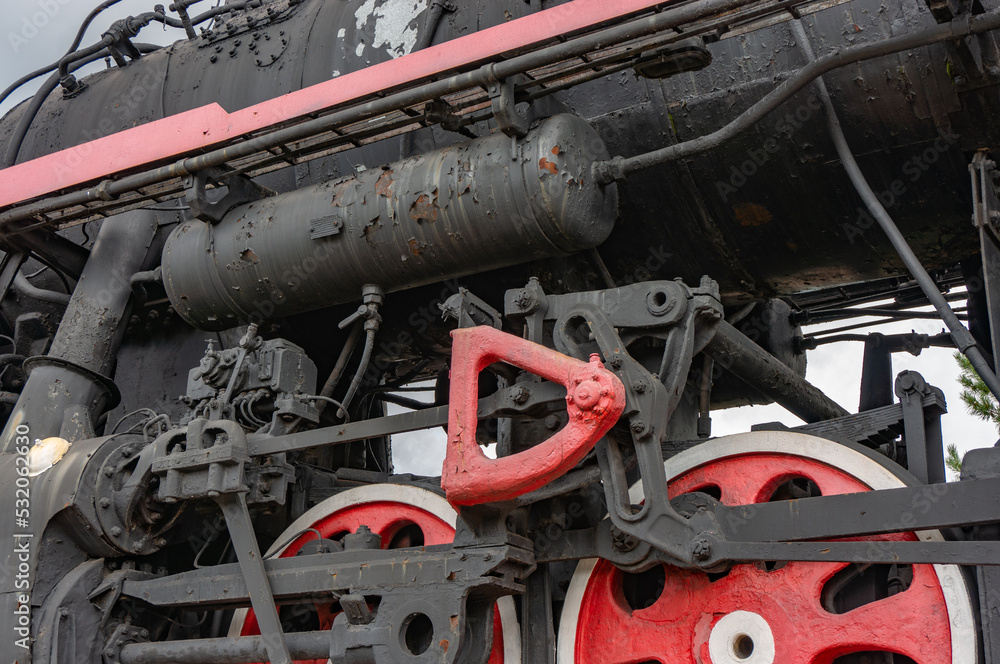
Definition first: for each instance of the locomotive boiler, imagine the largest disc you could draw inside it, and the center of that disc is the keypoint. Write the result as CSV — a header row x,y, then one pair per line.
x,y
557,234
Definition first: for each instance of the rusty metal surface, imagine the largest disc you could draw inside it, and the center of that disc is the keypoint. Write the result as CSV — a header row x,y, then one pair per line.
x,y
432,217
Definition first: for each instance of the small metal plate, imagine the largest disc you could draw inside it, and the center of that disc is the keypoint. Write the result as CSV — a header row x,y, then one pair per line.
x,y
324,227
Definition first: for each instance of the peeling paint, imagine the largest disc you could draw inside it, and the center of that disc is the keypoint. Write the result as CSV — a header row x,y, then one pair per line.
x,y
395,24
425,208
44,454
547,165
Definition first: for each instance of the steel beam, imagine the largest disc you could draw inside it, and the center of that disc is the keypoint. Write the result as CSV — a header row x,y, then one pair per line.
x,y
966,503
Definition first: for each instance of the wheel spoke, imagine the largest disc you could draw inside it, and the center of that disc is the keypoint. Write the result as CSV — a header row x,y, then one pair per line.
x,y
780,607
911,623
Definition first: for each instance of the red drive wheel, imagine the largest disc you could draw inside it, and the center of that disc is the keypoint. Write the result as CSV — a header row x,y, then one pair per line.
x,y
794,613
403,516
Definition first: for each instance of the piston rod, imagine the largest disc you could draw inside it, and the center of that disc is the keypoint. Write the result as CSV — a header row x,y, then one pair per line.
x,y
230,650
752,364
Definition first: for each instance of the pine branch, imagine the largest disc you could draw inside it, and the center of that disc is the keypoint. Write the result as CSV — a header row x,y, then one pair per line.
x,y
952,460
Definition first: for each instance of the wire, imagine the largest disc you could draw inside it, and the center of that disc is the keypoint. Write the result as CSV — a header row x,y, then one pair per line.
x,y
281,547
151,412
366,356
340,406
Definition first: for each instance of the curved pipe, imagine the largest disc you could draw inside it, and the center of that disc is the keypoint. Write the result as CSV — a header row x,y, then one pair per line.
x,y
17,139
87,21
55,65
26,288
82,54
620,168
963,339
138,281
366,357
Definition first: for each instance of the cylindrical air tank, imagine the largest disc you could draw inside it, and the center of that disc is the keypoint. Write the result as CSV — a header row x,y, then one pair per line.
x,y
487,204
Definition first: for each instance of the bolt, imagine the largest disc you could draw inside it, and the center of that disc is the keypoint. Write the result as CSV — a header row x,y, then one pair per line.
x,y
109,471
615,362
116,531
587,394
105,502
551,422
520,395
159,542
702,549
622,541
638,426
639,387
906,382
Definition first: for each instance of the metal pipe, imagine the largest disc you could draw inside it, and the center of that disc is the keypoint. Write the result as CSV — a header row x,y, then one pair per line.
x,y
734,352
665,20
82,54
230,650
138,281
338,369
964,340
24,124
620,168
366,356
26,288
83,352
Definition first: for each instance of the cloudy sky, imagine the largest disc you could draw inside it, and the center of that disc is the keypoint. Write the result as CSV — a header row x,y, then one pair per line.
x,y
37,32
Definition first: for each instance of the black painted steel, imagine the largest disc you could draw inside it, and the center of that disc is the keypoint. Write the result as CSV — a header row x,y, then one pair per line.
x,y
749,362
484,205
232,650
86,346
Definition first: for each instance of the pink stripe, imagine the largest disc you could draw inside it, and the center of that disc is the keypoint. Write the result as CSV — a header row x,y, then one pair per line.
x,y
208,126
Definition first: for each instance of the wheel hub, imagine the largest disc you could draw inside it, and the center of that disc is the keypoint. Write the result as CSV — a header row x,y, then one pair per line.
x,y
741,637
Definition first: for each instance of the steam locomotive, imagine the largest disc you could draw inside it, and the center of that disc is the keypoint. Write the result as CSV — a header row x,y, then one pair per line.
x,y
562,230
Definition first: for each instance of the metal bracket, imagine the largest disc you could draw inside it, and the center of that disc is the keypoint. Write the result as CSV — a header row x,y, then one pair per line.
x,y
595,400
922,428
503,97
242,190
470,310
234,508
986,218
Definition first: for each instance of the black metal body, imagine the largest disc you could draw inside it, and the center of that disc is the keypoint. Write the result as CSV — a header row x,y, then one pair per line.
x,y
724,177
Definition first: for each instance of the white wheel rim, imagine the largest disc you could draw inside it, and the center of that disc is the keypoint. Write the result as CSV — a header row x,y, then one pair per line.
x,y
964,644
420,498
